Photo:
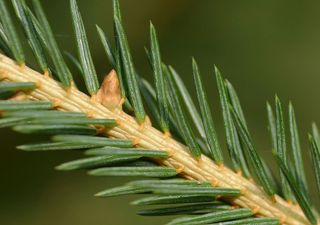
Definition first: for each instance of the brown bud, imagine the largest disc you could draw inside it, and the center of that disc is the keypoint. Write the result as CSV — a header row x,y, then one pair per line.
x,y
109,93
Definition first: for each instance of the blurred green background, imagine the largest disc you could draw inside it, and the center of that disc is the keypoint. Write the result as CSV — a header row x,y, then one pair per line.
x,y
262,47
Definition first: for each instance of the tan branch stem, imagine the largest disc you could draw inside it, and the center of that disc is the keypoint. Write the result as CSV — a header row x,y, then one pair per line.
x,y
204,169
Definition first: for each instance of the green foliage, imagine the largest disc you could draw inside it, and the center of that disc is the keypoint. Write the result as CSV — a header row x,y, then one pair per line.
x,y
94,162
114,56
49,114
315,154
129,70
175,199
54,146
89,72
107,47
178,112
234,101
10,122
24,105
97,141
76,121
31,32
74,61
250,221
281,147
44,30
211,136
118,191
4,44
299,195
149,96
127,152
188,102
159,80
272,126
171,108
185,209
253,156
233,142
16,86
55,129
145,171
213,217
296,152
11,36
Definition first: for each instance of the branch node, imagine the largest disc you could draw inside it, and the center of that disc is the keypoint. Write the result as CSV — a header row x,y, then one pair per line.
x,y
3,75
256,209
118,122
90,113
239,173
101,129
274,199
46,74
167,134
94,98
283,219
221,167
136,141
22,67
243,191
56,102
290,202
180,169
38,84
69,89
123,99
200,160
215,182
170,152
145,123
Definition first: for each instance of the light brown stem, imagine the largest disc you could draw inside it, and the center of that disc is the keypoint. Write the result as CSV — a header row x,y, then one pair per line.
x,y
203,169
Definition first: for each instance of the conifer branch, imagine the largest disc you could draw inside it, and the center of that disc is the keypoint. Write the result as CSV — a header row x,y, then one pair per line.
x,y
147,137
116,134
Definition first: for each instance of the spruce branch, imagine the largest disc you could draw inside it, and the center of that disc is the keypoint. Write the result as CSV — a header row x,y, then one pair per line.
x,y
147,137
116,134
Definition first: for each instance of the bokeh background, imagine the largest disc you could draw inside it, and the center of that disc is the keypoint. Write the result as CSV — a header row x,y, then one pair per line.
x,y
262,47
